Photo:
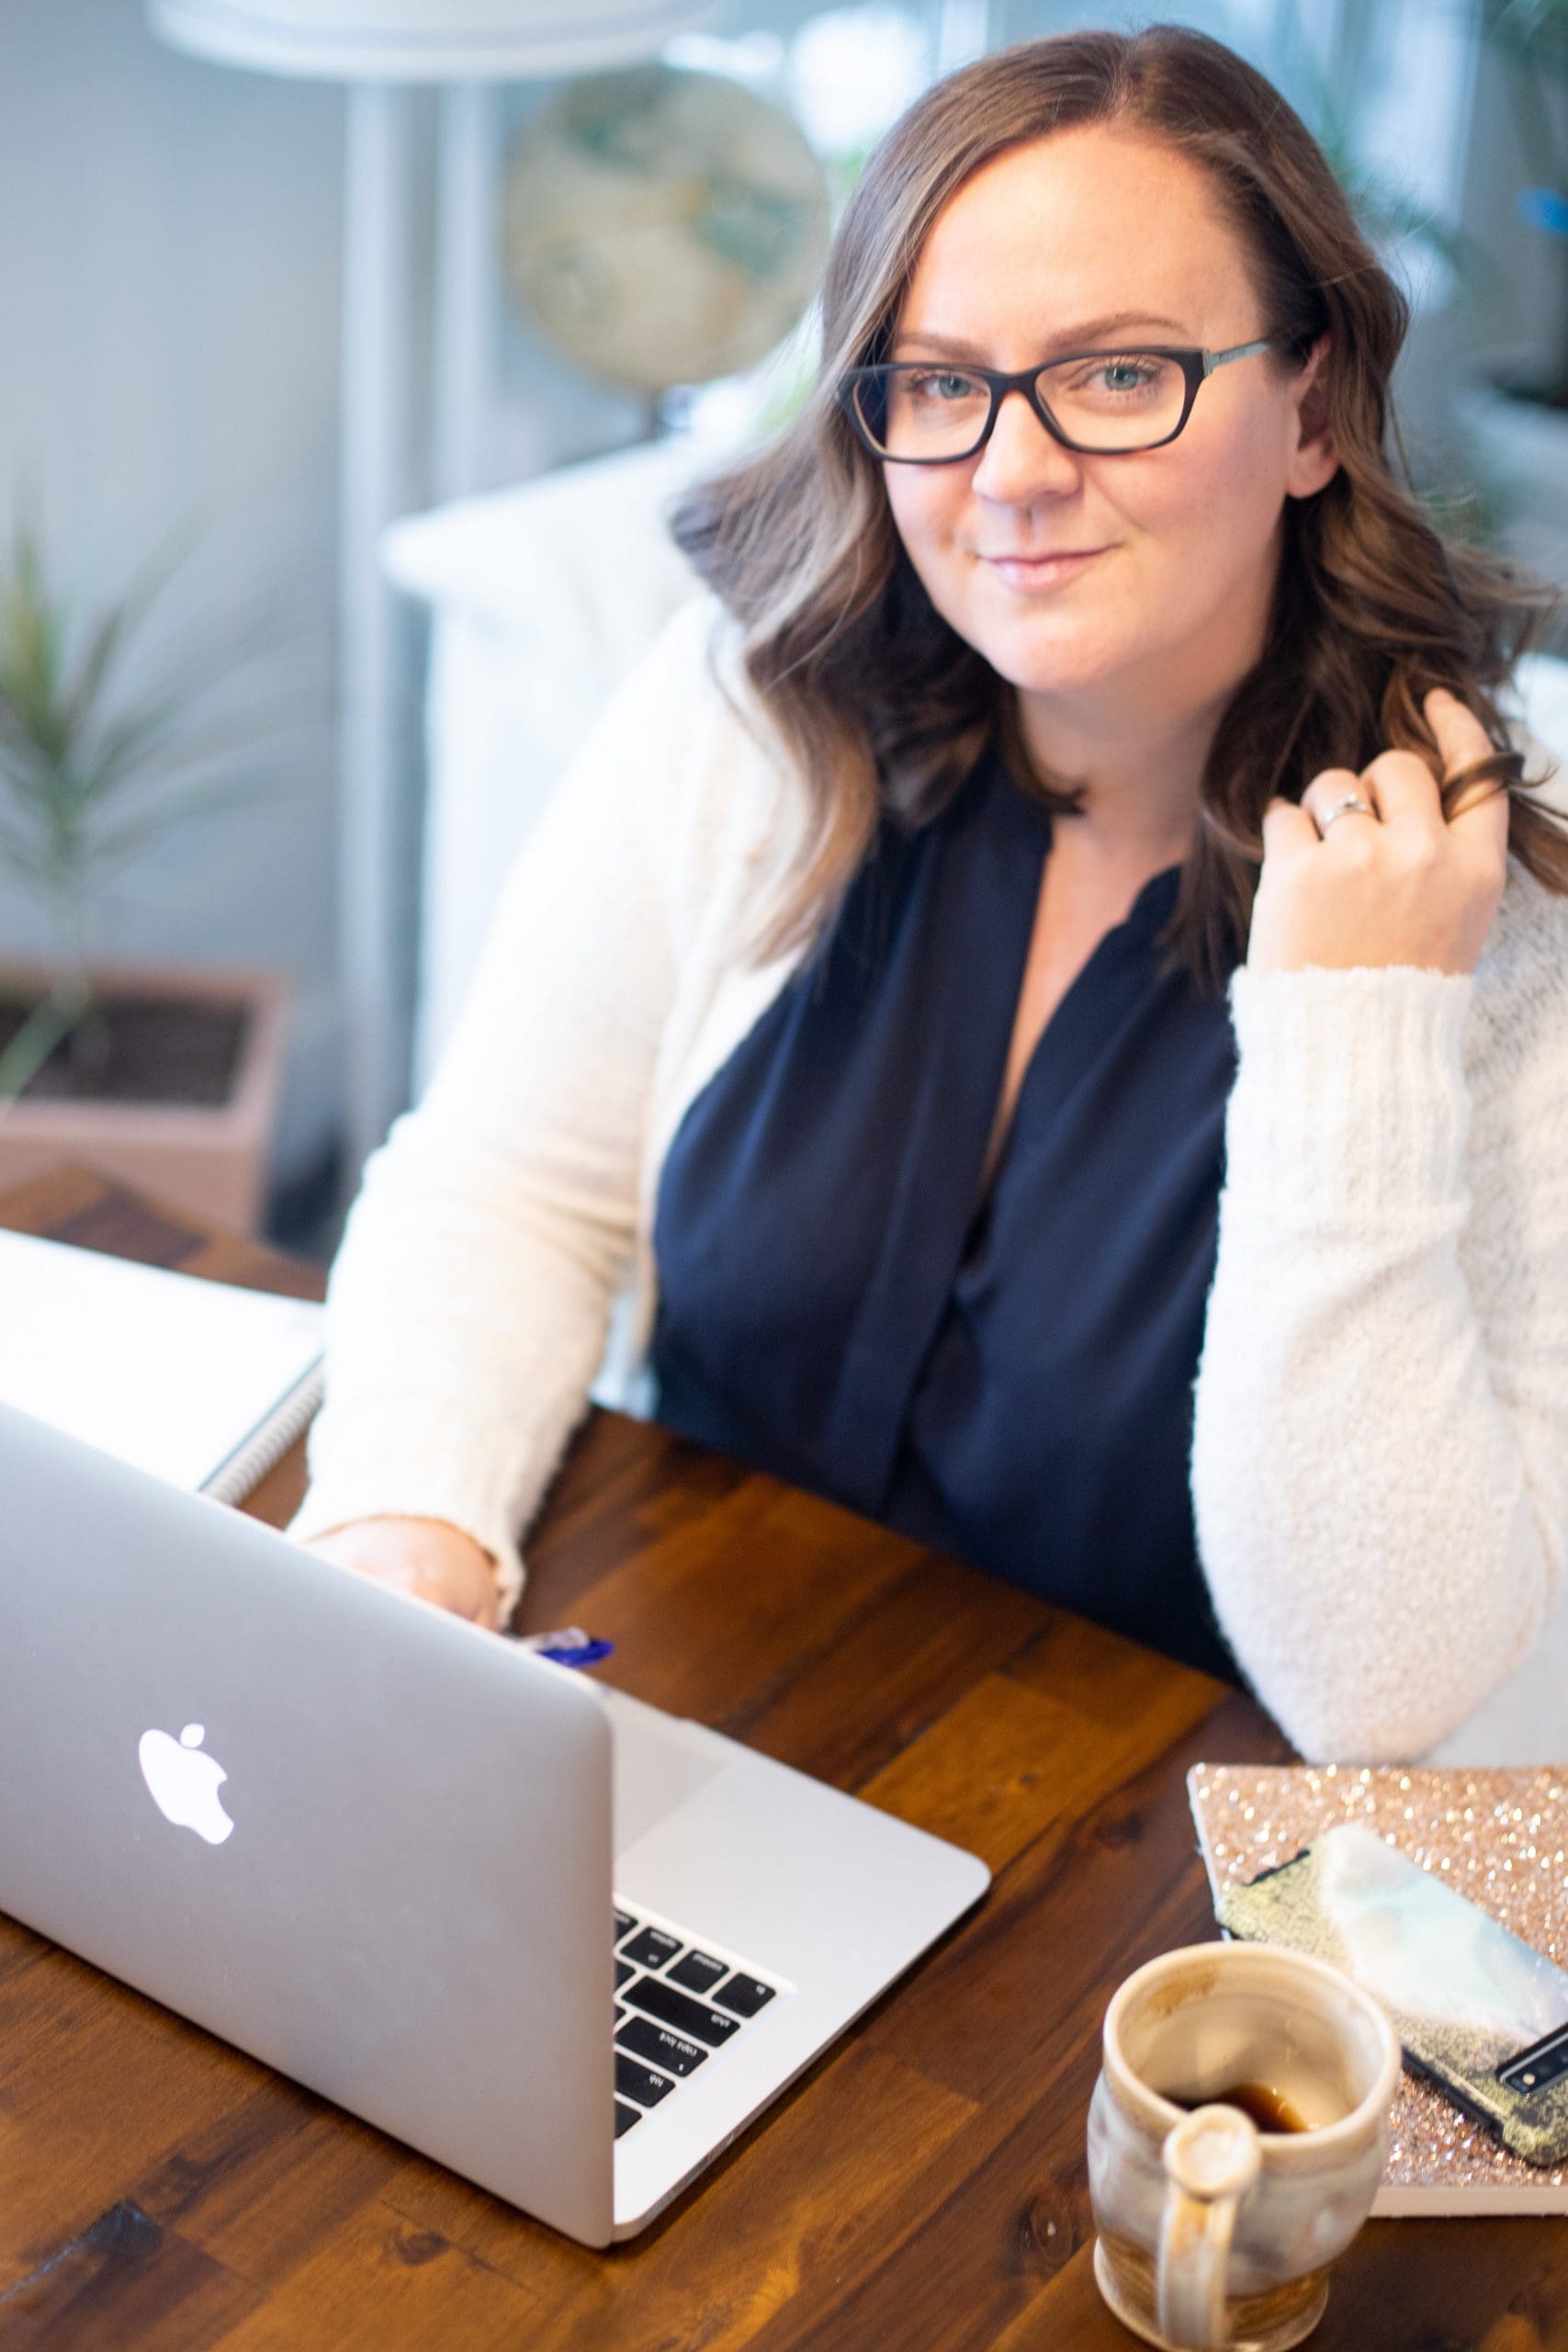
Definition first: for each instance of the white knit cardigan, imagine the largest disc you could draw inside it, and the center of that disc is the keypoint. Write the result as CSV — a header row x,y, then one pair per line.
x,y
1379,1467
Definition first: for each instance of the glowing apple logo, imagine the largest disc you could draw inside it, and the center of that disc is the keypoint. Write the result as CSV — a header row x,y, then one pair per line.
x,y
185,1783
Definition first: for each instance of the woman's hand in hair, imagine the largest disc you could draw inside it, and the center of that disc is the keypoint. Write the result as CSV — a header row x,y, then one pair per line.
x,y
426,1556
1404,886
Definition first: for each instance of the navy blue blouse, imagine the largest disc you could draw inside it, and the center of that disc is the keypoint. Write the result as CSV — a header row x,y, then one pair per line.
x,y
1008,1378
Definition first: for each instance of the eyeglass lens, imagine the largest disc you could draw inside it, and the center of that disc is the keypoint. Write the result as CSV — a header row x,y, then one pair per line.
x,y
1122,400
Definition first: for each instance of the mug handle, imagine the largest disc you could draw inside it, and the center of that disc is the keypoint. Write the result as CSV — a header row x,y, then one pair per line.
x,y
1212,2158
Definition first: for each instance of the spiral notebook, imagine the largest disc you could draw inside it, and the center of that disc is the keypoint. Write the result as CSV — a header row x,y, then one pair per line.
x,y
202,1383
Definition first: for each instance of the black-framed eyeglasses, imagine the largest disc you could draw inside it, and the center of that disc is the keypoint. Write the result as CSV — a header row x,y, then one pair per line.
x,y
1102,404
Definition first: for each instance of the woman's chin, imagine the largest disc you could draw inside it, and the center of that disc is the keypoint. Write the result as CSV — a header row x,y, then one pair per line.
x,y
1041,661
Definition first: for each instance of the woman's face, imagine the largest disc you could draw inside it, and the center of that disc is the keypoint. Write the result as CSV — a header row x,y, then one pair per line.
x,y
1095,237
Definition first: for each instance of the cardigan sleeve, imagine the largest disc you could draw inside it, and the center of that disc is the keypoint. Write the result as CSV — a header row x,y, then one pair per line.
x,y
1380,1464
467,1303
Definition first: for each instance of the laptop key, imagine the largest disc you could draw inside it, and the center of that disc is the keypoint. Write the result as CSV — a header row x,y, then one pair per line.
x,y
670,2051
699,1972
640,2083
625,2117
745,1995
652,1947
623,1970
671,2007
625,1923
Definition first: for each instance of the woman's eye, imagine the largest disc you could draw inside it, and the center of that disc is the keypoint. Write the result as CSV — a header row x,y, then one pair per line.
x,y
941,386
1122,375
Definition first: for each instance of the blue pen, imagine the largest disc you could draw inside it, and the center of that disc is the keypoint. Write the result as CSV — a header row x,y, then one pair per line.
x,y
569,1646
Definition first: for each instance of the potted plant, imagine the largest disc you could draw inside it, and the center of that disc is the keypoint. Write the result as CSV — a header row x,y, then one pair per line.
x,y
165,1076
1512,407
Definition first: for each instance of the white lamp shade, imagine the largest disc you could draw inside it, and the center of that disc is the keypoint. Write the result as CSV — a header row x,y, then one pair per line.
x,y
422,40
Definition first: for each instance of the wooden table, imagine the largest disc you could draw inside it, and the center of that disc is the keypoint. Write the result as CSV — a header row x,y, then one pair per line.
x,y
923,2189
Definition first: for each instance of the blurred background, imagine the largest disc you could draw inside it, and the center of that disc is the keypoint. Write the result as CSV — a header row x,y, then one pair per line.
x,y
355,347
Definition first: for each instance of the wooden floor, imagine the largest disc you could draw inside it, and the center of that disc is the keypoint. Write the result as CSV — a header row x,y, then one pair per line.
x,y
923,2189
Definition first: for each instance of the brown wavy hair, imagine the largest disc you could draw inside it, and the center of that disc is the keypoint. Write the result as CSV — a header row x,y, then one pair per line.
x,y
880,704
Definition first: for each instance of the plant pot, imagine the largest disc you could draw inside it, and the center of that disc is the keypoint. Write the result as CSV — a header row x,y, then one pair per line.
x,y
1517,450
210,1158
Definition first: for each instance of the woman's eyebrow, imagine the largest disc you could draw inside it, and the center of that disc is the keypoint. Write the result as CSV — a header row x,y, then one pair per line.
x,y
1075,338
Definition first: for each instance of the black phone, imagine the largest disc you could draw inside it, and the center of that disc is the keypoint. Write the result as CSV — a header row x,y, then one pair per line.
x,y
1481,2013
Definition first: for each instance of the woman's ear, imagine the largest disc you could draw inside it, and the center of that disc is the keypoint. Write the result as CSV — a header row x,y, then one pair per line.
x,y
1315,459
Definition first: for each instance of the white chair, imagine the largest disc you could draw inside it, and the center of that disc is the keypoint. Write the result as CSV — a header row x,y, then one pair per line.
x,y
542,597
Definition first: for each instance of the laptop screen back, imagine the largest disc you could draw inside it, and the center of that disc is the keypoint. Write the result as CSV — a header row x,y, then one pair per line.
x,y
357,1837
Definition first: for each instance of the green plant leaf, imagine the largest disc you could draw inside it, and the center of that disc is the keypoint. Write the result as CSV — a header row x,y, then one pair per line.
x,y
26,776
25,855
177,751
139,734
52,1018
86,787
130,841
116,629
1533,31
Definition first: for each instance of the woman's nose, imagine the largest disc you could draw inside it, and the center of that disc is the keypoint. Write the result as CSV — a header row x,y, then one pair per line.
x,y
1022,460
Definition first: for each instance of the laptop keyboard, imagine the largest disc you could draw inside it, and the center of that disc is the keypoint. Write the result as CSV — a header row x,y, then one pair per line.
x,y
677,2004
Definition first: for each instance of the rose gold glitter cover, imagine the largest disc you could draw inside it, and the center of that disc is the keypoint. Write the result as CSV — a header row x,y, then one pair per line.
x,y
1501,1837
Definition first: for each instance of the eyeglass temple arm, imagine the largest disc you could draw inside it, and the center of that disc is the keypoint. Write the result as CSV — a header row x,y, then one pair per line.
x,y
1212,359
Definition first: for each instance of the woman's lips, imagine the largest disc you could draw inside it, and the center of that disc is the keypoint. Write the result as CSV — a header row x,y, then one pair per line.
x,y
1041,570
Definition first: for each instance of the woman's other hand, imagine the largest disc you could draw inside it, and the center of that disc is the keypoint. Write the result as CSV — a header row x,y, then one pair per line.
x,y
426,1556
1403,886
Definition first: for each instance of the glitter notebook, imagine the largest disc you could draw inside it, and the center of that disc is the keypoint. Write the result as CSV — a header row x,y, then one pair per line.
x,y
1501,1838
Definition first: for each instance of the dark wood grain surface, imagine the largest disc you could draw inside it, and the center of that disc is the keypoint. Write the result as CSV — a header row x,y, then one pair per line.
x,y
923,2189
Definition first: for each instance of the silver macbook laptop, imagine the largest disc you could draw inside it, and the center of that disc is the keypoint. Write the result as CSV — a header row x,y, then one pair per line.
x,y
566,1944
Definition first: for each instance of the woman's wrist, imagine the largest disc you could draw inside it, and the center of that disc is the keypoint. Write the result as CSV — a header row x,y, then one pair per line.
x,y
1351,1099
431,1558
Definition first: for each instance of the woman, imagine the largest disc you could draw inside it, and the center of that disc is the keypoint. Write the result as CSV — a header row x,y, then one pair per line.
x,y
863,988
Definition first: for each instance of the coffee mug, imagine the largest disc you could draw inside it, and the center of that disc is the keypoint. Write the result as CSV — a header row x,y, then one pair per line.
x,y
1236,2138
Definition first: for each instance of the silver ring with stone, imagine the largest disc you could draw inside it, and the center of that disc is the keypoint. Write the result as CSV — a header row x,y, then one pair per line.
x,y
1342,808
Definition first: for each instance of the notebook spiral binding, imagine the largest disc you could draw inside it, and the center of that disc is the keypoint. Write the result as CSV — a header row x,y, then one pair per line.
x,y
266,1444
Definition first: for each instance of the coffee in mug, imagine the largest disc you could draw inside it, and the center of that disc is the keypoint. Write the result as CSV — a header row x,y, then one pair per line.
x,y
1269,2108
1237,2137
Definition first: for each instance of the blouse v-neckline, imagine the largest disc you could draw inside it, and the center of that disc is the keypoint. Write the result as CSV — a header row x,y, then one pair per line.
x,y
1150,908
